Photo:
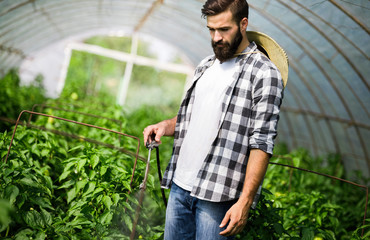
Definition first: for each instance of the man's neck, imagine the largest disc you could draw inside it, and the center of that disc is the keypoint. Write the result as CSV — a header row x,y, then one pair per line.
x,y
244,43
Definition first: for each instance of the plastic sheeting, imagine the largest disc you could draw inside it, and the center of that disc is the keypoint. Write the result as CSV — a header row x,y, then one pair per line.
x,y
327,100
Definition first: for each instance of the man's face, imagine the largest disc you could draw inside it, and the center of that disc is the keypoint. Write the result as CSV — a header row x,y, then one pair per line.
x,y
225,34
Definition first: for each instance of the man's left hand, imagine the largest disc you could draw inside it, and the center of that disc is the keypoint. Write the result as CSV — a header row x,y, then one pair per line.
x,y
237,217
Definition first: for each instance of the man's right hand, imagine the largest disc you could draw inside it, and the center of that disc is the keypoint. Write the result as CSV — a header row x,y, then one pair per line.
x,y
164,128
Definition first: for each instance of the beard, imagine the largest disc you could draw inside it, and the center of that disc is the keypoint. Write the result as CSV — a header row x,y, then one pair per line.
x,y
224,50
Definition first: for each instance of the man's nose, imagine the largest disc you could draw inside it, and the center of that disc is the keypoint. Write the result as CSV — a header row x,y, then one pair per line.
x,y
217,36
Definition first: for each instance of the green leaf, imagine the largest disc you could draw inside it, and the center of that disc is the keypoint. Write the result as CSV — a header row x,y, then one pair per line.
x,y
278,228
107,201
78,221
62,151
127,185
35,150
307,234
5,214
67,184
29,182
116,198
23,235
11,193
33,219
94,161
103,170
77,205
76,148
106,218
92,174
98,190
70,163
46,216
42,202
81,164
45,152
302,218
71,194
127,220
90,188
81,184
40,236
121,169
127,206
45,135
64,175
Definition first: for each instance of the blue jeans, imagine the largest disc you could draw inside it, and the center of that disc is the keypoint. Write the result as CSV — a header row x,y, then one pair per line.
x,y
190,218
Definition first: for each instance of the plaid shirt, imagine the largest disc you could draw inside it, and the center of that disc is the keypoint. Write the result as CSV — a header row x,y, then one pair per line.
x,y
250,113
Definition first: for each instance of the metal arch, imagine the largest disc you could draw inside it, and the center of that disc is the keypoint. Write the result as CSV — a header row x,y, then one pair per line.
x,y
142,21
303,79
331,81
40,11
333,28
274,21
291,129
324,116
331,118
334,68
17,6
191,25
298,100
283,28
198,50
290,125
350,16
12,50
294,143
330,41
320,107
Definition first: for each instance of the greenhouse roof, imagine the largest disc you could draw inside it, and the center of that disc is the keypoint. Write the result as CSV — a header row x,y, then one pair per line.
x,y
327,101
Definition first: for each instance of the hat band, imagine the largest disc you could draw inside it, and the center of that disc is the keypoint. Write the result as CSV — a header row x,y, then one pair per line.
x,y
245,53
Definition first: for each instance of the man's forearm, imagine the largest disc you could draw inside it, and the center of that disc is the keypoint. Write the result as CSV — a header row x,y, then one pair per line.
x,y
237,216
170,126
256,169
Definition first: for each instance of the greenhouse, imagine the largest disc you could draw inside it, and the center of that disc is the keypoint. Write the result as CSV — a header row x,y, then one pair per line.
x,y
81,79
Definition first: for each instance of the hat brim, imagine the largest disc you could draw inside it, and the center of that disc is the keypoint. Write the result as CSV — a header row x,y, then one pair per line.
x,y
274,51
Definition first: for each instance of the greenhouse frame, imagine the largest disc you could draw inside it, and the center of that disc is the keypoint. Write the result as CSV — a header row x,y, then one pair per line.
x,y
326,105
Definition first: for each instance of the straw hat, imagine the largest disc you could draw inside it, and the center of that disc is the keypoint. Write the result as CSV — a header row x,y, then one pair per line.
x,y
273,51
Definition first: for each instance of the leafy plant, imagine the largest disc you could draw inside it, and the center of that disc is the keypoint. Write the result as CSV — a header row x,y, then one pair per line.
x,y
63,188
265,222
14,98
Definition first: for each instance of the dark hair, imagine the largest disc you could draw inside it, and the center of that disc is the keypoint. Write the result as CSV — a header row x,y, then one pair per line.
x,y
239,8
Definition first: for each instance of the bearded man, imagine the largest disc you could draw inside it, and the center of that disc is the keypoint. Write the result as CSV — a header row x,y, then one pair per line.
x,y
224,132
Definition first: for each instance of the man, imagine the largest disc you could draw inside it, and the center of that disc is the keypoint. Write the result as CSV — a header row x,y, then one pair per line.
x,y
223,133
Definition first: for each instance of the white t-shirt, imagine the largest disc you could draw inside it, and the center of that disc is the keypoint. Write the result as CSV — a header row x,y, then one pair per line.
x,y
203,127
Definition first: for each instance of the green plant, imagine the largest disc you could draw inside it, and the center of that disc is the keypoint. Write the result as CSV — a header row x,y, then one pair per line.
x,y
61,188
264,222
340,203
357,234
308,215
15,97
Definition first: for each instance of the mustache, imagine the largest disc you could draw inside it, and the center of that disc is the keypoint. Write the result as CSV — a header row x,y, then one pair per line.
x,y
219,43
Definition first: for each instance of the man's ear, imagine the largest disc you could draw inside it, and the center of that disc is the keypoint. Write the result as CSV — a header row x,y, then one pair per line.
x,y
244,24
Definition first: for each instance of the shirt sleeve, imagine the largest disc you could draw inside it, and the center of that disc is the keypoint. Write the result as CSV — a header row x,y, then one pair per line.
x,y
267,97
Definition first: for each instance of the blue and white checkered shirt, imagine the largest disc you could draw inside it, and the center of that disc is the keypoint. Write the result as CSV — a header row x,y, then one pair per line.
x,y
250,113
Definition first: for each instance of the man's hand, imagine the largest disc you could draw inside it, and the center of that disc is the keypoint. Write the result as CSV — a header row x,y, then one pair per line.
x,y
238,214
237,217
164,128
